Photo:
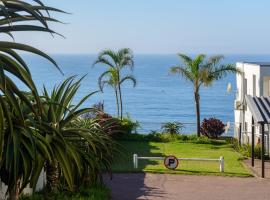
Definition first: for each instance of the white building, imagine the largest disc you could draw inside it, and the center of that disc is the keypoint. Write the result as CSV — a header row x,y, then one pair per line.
x,y
254,81
40,185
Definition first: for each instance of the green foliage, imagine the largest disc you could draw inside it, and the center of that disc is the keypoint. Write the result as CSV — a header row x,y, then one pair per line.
x,y
129,126
20,145
98,192
245,149
82,153
36,130
172,127
166,137
22,148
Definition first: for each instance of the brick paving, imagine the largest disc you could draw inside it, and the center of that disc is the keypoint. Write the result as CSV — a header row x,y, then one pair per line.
x,y
187,187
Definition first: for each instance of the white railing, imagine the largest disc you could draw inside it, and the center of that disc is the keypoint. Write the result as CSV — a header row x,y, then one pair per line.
x,y
136,158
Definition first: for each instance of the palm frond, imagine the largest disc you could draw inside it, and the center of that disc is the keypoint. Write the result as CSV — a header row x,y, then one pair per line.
x,y
222,70
186,59
214,60
182,71
105,74
108,55
129,78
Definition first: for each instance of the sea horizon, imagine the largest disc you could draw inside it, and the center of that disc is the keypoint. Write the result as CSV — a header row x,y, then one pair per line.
x,y
158,97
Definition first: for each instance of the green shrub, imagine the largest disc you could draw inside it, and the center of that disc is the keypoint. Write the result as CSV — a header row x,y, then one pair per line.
x,y
129,126
172,127
245,149
98,192
166,137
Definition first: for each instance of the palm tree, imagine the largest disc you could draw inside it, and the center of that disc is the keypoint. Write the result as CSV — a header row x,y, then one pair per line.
x,y
202,71
116,62
111,77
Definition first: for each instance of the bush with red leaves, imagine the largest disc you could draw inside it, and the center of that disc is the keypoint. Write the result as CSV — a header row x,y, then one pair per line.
x,y
212,128
110,125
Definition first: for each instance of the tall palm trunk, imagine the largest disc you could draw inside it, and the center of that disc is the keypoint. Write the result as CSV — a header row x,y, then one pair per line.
x,y
117,101
120,96
198,112
121,102
15,191
52,176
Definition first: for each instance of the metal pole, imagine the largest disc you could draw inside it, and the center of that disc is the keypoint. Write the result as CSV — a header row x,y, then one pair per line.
x,y
240,134
262,150
135,161
221,167
252,142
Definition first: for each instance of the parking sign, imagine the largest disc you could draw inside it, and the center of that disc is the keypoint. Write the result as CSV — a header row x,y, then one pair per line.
x,y
171,162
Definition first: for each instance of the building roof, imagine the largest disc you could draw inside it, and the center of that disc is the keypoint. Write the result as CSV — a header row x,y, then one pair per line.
x,y
266,64
260,108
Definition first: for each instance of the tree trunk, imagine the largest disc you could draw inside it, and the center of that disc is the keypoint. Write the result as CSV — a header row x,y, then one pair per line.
x,y
198,112
52,176
121,102
14,193
117,102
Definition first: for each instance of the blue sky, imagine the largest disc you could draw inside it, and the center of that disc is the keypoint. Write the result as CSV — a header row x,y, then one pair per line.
x,y
159,26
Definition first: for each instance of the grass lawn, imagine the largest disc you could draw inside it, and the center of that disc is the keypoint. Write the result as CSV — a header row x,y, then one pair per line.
x,y
233,163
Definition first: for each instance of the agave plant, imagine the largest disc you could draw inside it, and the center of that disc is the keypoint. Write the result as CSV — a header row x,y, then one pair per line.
x,y
17,16
96,149
76,150
58,113
16,129
22,147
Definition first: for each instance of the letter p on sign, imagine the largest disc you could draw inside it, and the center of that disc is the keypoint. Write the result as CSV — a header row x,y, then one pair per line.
x,y
171,162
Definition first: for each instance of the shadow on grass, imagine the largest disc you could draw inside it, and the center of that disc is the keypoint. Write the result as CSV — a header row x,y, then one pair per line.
x,y
124,160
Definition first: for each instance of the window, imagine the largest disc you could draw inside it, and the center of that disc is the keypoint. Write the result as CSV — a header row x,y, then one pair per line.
x,y
245,87
246,127
266,86
254,85
268,94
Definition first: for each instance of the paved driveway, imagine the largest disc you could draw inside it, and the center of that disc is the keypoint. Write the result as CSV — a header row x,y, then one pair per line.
x,y
184,187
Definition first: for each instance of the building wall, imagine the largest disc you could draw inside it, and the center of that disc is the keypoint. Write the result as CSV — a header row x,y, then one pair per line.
x,y
265,76
249,71
262,88
40,185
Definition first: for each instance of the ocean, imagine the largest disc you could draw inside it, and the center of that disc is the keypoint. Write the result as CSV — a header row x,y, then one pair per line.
x,y
159,97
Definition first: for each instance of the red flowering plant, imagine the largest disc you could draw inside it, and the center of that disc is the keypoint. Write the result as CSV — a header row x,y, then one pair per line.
x,y
110,125
212,128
